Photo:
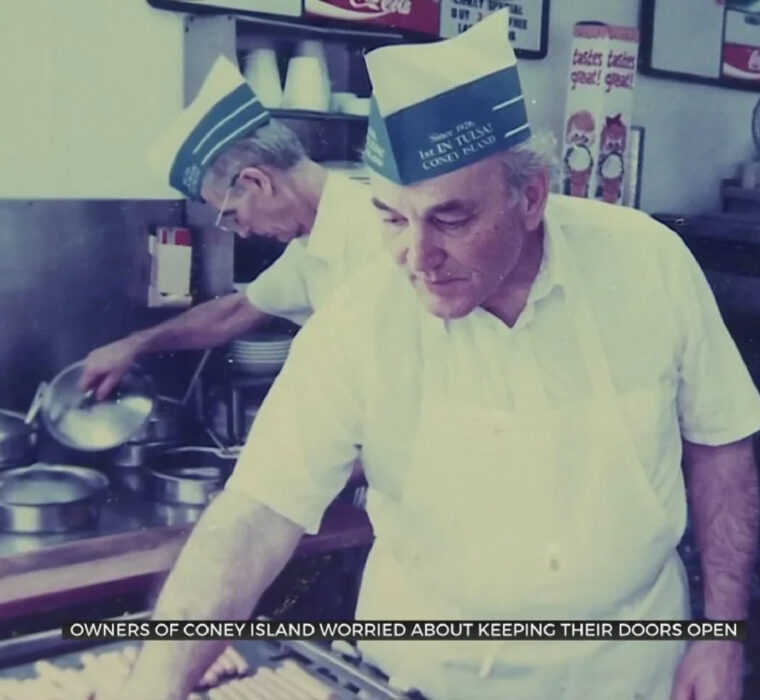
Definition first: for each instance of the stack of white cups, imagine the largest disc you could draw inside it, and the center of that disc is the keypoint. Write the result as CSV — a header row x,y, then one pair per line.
x,y
307,84
263,74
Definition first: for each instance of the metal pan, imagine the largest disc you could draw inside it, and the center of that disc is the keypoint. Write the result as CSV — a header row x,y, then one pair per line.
x,y
346,679
134,455
189,475
48,498
163,425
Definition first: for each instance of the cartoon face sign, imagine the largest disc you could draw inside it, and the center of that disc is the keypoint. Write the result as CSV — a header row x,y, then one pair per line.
x,y
611,168
614,135
579,159
580,129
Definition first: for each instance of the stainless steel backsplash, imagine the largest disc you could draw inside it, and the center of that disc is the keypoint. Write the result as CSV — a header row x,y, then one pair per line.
x,y
73,275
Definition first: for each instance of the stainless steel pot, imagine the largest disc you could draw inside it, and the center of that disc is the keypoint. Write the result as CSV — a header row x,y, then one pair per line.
x,y
134,455
177,513
48,498
18,439
164,424
189,475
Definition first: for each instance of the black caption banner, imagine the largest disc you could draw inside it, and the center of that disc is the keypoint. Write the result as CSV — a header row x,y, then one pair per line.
x,y
525,630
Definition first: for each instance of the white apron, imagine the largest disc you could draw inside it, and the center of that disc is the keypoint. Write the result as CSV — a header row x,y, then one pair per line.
x,y
536,513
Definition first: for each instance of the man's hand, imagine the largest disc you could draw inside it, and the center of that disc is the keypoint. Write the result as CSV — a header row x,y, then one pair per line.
x,y
105,366
710,670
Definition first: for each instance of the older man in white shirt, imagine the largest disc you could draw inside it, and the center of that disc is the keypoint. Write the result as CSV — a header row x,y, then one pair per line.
x,y
522,378
225,150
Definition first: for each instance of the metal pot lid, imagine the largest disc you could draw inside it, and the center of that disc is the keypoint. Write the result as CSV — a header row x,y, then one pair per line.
x,y
49,484
75,419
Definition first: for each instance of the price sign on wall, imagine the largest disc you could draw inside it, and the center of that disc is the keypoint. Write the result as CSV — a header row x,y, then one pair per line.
x,y
528,22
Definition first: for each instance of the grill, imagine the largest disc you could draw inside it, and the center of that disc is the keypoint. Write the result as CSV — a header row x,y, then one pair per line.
x,y
347,676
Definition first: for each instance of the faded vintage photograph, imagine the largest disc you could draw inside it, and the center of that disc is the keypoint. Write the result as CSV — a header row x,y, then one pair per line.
x,y
379,349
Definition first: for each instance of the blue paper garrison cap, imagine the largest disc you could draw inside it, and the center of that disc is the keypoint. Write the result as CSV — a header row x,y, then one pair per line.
x,y
224,110
442,106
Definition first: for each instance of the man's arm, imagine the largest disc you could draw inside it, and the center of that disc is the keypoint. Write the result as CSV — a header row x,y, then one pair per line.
x,y
208,325
233,554
723,489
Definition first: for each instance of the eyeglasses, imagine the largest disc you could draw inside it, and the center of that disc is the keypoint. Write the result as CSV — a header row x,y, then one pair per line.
x,y
225,220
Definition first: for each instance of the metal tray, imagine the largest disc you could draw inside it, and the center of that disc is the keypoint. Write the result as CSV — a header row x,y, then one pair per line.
x,y
349,679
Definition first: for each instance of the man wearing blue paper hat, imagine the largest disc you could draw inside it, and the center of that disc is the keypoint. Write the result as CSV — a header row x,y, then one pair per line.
x,y
226,150
521,377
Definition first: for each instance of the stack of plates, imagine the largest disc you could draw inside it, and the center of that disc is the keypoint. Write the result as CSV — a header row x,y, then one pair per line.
x,y
260,353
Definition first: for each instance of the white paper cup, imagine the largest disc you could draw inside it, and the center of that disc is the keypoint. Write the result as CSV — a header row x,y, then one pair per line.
x,y
307,85
263,75
358,106
310,48
339,100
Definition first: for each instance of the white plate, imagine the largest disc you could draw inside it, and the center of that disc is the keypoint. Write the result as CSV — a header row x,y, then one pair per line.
x,y
260,346
272,353
262,368
264,337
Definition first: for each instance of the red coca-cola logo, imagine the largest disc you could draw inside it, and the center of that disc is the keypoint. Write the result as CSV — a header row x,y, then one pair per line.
x,y
402,7
419,15
375,7
754,62
741,61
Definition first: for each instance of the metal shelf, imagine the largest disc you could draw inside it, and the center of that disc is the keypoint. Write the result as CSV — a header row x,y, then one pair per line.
x,y
731,191
736,198
330,29
318,116
326,29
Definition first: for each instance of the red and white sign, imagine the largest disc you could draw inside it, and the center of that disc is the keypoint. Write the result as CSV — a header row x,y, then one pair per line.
x,y
599,105
741,48
413,15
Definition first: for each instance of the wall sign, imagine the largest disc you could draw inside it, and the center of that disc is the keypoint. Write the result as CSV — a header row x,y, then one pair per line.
x,y
287,8
413,15
727,33
529,21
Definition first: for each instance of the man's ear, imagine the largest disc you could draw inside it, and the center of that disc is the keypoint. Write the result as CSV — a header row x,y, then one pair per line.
x,y
256,180
535,196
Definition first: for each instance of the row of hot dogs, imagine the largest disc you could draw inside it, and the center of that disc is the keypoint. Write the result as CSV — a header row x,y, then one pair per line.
x,y
100,676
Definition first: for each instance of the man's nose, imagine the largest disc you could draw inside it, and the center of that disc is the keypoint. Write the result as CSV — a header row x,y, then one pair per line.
x,y
423,251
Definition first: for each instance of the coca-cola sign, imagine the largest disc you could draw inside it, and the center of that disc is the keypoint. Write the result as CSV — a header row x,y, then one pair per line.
x,y
414,15
710,41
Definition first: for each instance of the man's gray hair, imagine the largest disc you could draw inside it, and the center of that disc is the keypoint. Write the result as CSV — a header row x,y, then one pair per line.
x,y
533,157
274,145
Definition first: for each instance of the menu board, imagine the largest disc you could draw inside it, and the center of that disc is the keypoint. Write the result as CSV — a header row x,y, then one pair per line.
x,y
528,21
727,33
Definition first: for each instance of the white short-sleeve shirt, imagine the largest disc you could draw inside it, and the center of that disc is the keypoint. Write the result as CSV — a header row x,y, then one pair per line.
x,y
345,236
352,383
